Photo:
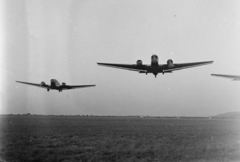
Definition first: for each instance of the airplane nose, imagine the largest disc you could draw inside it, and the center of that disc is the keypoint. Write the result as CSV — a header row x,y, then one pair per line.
x,y
154,58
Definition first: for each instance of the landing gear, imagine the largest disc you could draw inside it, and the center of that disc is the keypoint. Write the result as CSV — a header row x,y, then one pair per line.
x,y
48,89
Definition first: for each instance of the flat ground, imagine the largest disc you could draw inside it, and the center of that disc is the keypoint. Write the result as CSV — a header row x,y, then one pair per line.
x,y
76,138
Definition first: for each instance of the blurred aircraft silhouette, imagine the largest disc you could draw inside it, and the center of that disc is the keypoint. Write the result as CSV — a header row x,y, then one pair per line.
x,y
233,77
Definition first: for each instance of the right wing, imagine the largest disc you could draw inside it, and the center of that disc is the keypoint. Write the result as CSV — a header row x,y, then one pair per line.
x,y
132,67
76,86
37,85
181,66
234,77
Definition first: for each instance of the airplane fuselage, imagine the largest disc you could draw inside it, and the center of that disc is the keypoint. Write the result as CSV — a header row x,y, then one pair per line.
x,y
154,65
154,60
55,85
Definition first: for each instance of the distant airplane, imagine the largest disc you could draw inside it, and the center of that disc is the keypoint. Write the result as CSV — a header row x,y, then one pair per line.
x,y
55,85
234,77
155,68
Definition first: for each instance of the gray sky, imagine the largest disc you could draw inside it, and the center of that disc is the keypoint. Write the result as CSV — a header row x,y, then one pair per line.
x,y
63,39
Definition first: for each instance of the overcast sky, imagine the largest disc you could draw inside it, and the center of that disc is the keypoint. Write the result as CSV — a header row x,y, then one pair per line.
x,y
64,39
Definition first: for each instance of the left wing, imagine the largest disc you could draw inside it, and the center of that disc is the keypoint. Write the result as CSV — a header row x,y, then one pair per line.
x,y
76,86
132,67
37,85
184,66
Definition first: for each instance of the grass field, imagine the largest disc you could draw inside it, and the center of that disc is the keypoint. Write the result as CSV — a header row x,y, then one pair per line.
x,y
76,138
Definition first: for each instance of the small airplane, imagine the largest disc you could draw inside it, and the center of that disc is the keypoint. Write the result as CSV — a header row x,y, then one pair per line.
x,y
55,85
234,77
155,68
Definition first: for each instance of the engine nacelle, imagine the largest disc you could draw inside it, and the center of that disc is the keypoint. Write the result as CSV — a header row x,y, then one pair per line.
x,y
170,63
63,84
139,62
42,83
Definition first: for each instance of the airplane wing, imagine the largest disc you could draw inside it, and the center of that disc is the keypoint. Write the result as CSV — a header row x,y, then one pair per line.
x,y
37,85
76,86
184,66
132,67
234,77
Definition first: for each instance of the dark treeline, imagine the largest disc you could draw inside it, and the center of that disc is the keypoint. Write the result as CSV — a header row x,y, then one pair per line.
x,y
133,116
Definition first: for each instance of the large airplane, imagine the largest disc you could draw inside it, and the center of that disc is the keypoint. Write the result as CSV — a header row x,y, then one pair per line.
x,y
155,68
233,77
55,85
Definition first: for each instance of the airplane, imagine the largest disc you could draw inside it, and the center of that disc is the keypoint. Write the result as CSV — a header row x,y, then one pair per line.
x,y
55,85
234,77
155,68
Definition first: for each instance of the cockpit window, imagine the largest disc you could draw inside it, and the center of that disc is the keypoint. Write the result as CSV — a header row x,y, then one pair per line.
x,y
53,80
154,56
